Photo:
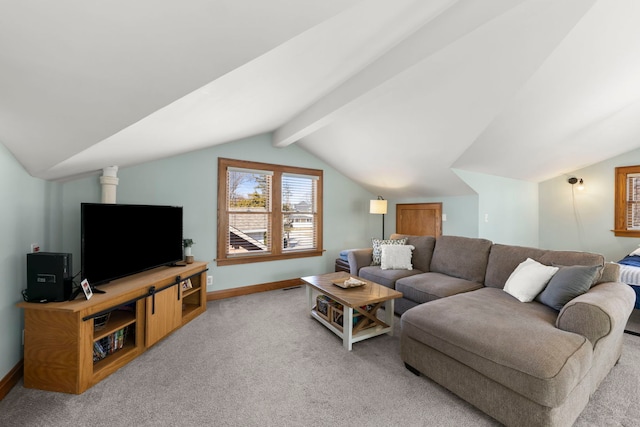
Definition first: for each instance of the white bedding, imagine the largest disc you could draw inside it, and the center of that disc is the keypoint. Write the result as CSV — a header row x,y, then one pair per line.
x,y
630,274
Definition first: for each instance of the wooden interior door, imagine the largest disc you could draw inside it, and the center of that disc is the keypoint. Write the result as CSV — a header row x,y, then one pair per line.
x,y
419,219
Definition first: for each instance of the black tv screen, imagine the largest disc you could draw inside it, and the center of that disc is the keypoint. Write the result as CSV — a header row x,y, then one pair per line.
x,y
119,240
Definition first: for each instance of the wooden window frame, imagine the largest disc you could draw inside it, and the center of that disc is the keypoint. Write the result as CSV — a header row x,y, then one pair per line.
x,y
620,215
276,253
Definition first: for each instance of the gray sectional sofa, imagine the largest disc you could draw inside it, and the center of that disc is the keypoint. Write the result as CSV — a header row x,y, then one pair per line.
x,y
523,363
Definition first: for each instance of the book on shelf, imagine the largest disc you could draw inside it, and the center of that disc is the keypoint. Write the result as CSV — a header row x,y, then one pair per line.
x,y
109,344
98,351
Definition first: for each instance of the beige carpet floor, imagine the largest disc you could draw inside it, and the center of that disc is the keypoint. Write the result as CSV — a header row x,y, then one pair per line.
x,y
633,324
260,360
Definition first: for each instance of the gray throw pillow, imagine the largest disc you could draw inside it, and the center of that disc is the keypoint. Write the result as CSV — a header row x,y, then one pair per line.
x,y
568,283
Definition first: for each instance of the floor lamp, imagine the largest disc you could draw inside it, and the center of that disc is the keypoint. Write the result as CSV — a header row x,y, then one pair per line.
x,y
378,207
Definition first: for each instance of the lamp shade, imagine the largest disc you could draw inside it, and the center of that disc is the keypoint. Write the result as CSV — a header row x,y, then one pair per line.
x,y
378,206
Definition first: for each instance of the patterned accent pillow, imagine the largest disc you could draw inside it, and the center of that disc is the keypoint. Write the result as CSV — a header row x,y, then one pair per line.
x,y
376,257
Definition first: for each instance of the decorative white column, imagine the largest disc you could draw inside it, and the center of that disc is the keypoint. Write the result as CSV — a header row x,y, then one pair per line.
x,y
109,182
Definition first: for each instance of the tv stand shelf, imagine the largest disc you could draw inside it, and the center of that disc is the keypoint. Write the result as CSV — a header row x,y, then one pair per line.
x,y
65,352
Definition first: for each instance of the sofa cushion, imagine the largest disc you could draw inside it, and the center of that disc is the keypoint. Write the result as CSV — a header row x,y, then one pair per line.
x,y
528,280
574,258
376,256
514,344
396,257
385,277
423,251
426,287
503,260
568,283
462,257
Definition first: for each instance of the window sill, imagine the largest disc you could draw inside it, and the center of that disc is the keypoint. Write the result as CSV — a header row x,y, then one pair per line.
x,y
264,258
626,233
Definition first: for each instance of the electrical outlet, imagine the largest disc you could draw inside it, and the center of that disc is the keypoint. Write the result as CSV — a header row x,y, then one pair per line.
x,y
209,280
35,247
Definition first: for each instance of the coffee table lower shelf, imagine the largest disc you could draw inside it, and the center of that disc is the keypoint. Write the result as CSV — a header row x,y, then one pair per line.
x,y
348,338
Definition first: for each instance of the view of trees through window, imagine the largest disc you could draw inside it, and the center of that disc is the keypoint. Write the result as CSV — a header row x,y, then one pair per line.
x,y
248,190
249,211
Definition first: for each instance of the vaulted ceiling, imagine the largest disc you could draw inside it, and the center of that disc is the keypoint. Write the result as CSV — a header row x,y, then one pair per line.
x,y
394,94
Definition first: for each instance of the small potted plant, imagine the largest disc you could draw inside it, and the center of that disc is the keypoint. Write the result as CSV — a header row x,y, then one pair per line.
x,y
187,243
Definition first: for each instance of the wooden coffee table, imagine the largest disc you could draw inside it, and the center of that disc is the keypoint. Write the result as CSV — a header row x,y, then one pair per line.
x,y
365,300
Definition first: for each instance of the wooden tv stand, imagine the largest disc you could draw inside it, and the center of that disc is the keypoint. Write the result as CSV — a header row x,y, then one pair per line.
x,y
66,349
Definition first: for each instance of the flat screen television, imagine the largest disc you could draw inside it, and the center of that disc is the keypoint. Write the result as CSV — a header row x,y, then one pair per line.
x,y
119,239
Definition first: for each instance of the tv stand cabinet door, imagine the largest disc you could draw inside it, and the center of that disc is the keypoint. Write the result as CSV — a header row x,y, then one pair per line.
x,y
165,317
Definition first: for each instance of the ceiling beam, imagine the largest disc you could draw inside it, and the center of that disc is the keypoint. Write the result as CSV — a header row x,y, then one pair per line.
x,y
444,23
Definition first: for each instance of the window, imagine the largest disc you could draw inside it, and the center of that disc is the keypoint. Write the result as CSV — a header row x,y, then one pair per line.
x,y
627,201
267,212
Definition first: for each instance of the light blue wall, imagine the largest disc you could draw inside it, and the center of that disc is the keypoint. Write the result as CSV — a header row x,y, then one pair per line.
x,y
521,213
511,207
584,222
29,214
190,180
507,208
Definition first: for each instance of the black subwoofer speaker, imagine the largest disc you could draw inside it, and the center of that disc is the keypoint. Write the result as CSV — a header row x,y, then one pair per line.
x,y
49,276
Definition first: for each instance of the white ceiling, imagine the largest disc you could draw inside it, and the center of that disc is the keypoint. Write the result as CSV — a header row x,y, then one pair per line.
x,y
393,94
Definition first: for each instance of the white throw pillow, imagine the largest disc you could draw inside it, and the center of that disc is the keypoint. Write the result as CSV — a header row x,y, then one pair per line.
x,y
377,251
396,257
529,279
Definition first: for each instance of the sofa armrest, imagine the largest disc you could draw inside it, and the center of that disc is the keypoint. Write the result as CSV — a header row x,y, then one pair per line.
x,y
605,308
359,258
